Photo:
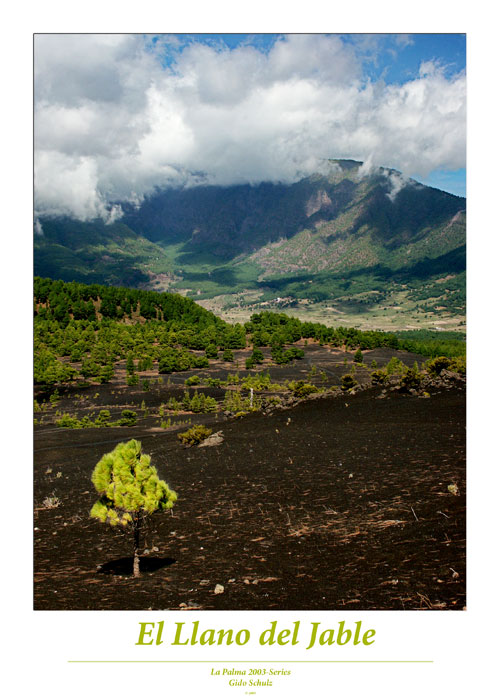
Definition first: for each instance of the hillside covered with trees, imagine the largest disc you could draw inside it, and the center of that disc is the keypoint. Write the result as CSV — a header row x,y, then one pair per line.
x,y
97,326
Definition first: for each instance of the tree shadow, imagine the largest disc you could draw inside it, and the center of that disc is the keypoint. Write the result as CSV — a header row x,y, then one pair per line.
x,y
124,566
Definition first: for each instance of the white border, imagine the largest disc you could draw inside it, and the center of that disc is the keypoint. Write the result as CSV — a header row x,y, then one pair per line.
x,y
462,645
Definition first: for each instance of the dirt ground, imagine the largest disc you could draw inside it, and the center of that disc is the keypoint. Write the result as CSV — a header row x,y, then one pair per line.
x,y
335,503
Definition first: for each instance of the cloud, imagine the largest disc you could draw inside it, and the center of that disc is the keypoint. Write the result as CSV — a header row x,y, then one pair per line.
x,y
116,116
396,183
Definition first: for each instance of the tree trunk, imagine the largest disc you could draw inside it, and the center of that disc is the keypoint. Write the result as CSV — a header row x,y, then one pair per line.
x,y
137,533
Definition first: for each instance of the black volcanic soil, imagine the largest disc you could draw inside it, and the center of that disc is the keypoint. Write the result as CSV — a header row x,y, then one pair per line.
x,y
337,502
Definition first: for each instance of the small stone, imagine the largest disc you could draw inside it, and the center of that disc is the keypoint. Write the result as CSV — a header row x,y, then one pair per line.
x,y
218,589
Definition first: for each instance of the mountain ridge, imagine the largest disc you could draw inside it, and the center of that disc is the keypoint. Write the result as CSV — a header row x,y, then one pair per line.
x,y
348,221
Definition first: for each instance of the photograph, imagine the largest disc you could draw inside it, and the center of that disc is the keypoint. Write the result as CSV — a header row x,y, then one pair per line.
x,y
249,322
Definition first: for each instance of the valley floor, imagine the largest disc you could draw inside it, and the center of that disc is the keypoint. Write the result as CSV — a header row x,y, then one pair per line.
x,y
395,314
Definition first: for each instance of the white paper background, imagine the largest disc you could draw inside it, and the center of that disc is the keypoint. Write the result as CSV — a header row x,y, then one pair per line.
x,y
38,645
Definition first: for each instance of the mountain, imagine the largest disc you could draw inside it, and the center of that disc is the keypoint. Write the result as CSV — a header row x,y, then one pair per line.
x,y
347,233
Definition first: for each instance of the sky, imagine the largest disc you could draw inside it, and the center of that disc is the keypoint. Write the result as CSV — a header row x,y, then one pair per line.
x,y
117,116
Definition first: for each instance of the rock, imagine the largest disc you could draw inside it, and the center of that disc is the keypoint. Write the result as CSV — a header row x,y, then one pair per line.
x,y
211,440
218,589
453,376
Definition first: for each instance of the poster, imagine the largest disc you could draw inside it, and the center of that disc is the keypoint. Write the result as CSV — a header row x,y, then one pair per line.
x,y
415,650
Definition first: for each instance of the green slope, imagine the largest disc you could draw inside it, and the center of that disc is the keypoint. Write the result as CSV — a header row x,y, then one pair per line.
x,y
98,253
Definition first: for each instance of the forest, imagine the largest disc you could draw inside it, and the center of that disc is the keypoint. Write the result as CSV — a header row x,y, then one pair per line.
x,y
97,326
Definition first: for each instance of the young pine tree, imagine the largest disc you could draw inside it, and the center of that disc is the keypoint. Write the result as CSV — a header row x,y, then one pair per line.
x,y
129,490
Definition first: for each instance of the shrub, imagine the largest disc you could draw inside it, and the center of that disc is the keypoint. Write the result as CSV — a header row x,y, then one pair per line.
x,y
67,421
258,381
437,365
379,376
174,404
458,365
274,400
48,370
128,417
200,361
193,380
294,353
194,435
130,365
395,366
411,379
89,368
348,382
227,355
235,402
198,403
302,389
212,351
232,379
106,373
257,356
103,419
172,360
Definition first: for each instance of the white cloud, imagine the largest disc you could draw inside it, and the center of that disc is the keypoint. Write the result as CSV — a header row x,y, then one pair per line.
x,y
38,228
396,182
114,118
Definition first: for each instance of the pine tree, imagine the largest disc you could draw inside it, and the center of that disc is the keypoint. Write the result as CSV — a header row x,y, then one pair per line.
x,y
358,356
130,490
